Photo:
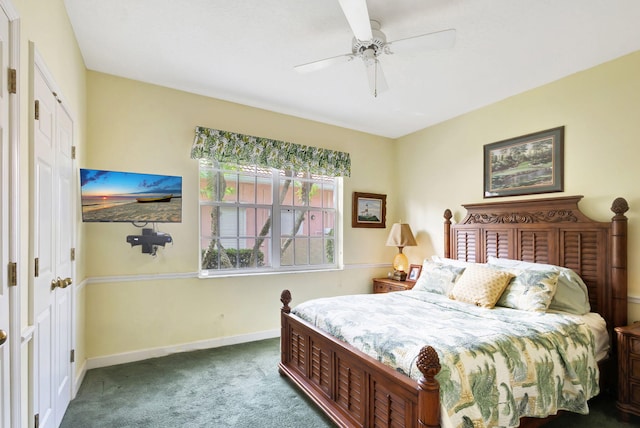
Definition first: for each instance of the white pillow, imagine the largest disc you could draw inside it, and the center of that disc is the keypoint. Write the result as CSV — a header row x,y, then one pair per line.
x,y
452,262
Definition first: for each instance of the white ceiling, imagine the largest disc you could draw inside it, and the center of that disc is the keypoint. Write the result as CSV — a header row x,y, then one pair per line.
x,y
245,50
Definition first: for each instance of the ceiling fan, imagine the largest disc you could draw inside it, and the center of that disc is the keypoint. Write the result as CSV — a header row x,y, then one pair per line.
x,y
369,43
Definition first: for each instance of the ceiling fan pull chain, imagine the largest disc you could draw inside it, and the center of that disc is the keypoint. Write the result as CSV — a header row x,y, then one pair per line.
x,y
375,80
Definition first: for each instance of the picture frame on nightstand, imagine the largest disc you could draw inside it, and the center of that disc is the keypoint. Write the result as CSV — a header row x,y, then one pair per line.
x,y
414,273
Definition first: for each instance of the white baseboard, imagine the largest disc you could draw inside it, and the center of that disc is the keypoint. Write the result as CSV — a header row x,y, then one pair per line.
x,y
144,354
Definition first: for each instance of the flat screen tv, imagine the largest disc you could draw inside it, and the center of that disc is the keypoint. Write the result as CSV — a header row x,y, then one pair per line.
x,y
113,196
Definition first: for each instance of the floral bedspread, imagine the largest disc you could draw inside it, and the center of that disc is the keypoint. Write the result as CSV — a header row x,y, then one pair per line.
x,y
498,365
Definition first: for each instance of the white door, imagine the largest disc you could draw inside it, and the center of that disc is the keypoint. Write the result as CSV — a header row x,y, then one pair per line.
x,y
63,266
52,231
5,368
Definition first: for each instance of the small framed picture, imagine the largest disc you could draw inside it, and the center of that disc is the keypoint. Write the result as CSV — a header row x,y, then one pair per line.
x,y
414,272
369,210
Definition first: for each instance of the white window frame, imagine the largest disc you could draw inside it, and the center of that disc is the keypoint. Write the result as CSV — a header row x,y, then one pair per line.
x,y
275,238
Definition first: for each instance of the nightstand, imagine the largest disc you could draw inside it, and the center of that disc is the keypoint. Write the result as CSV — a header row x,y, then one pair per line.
x,y
387,285
628,370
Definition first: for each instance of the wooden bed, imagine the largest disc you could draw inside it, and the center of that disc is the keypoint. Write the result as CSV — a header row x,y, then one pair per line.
x,y
355,390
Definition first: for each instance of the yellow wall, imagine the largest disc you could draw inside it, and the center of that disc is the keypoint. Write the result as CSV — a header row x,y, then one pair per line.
x,y
145,128
599,109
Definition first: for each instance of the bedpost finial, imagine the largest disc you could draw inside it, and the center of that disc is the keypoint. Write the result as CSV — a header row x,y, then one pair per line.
x,y
620,206
428,362
285,298
447,214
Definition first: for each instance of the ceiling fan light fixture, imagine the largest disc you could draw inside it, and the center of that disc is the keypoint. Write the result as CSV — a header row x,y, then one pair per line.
x,y
369,56
377,42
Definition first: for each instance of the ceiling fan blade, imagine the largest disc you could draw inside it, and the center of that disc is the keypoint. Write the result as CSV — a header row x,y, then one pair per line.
x,y
377,81
358,17
431,41
323,63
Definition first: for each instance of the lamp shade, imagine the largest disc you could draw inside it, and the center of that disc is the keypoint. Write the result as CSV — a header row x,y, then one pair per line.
x,y
401,236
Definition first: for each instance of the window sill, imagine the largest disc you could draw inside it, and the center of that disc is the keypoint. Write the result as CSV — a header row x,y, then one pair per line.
x,y
235,274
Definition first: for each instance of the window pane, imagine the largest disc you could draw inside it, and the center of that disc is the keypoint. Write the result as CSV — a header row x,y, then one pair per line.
x,y
229,187
328,222
220,254
286,222
229,222
252,253
329,250
286,189
257,253
302,190
206,212
300,223
286,252
301,251
315,223
264,189
209,258
328,190
247,189
211,185
262,221
317,251
315,195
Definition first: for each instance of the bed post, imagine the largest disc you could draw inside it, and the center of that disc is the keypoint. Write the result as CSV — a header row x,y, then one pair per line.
x,y
447,233
428,388
619,262
285,298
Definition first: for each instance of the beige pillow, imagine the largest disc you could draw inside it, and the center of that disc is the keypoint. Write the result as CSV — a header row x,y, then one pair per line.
x,y
481,286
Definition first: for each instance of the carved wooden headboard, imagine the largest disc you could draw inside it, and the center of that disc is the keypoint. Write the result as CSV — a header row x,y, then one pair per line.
x,y
553,231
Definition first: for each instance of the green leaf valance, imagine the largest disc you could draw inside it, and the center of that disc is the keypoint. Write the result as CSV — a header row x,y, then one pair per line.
x,y
225,146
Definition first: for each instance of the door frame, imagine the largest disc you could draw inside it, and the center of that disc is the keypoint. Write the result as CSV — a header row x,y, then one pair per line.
x,y
15,334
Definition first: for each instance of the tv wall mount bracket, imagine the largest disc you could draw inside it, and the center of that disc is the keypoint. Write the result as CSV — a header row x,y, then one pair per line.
x,y
149,240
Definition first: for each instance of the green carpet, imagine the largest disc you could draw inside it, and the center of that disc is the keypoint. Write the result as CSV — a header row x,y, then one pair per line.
x,y
231,386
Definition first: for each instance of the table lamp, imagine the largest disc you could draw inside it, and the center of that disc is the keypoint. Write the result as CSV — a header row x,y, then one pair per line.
x,y
400,236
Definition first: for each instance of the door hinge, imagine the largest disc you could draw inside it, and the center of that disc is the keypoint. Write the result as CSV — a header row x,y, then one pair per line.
x,y
36,108
36,267
73,152
13,81
73,356
73,254
13,274
36,420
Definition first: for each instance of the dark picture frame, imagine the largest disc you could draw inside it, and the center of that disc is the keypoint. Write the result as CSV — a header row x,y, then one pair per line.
x,y
414,273
526,165
369,210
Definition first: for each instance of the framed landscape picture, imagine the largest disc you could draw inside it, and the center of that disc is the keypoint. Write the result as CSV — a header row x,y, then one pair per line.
x,y
525,165
369,210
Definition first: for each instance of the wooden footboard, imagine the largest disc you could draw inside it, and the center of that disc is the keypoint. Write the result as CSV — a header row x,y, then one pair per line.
x,y
353,389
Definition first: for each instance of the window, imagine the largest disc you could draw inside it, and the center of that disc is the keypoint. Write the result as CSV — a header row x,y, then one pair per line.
x,y
255,218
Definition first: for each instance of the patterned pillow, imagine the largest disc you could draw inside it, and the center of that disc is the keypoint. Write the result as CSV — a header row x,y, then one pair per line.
x,y
437,278
481,286
571,295
530,290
